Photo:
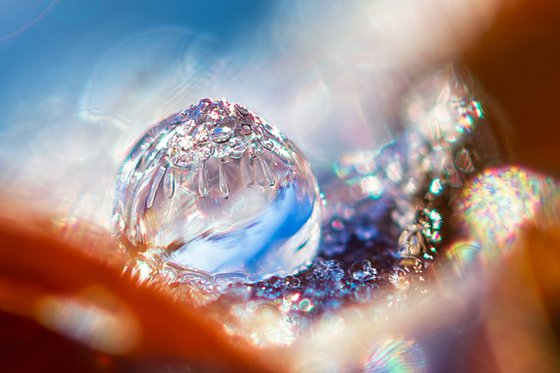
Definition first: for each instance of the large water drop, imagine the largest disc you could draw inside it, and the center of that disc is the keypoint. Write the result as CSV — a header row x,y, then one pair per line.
x,y
217,188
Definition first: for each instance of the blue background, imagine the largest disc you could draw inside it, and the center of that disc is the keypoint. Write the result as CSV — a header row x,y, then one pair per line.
x,y
36,36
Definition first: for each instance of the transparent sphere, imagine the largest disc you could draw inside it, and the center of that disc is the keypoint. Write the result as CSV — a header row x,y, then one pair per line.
x,y
217,188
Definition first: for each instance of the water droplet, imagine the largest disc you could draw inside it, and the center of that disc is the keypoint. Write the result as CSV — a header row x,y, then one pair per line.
x,y
221,134
327,270
362,271
306,305
201,191
436,186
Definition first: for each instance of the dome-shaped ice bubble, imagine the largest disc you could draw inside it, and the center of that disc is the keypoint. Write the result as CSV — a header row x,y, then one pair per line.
x,y
219,189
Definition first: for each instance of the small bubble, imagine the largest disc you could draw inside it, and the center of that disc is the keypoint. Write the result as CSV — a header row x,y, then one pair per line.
x,y
221,134
362,271
337,225
306,305
464,162
436,187
328,270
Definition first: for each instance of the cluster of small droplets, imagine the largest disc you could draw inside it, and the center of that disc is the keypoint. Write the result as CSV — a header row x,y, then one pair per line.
x,y
326,286
385,220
